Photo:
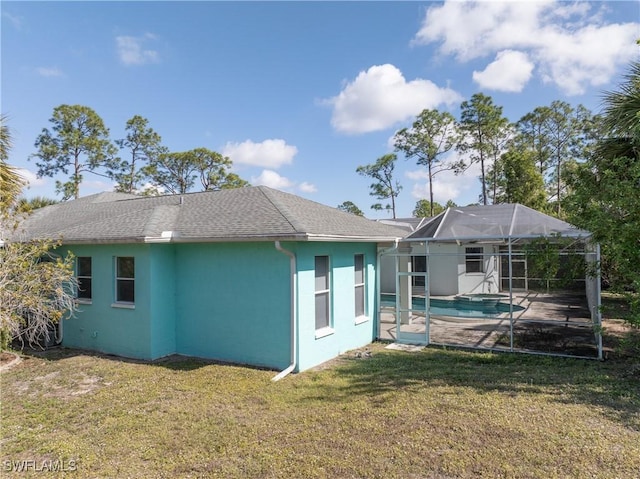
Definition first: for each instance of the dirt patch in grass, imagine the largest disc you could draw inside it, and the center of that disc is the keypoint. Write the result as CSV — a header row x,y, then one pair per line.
x,y
8,360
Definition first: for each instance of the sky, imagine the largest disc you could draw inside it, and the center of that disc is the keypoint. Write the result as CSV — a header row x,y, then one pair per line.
x,y
299,94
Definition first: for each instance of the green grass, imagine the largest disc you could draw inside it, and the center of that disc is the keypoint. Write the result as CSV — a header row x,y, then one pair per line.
x,y
433,414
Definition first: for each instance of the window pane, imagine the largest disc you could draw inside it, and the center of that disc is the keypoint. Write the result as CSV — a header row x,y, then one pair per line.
x,y
358,265
84,266
474,260
322,273
125,290
125,268
322,310
84,288
474,267
359,301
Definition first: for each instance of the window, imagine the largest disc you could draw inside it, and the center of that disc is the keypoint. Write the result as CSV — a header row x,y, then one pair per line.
x,y
323,304
474,260
83,275
358,266
125,279
418,265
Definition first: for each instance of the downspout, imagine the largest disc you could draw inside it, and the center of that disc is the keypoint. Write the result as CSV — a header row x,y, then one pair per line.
x,y
59,335
294,314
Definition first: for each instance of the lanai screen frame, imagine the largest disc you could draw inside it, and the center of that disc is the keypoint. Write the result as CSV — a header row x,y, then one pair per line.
x,y
509,240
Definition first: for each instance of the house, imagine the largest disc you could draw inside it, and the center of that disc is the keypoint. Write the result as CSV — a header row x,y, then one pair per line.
x,y
250,275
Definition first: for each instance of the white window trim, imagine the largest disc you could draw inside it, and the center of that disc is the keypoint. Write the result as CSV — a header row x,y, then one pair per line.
x,y
123,304
321,332
84,300
363,317
324,332
481,261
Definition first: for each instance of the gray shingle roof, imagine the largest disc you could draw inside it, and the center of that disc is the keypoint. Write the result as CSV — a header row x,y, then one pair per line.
x,y
251,213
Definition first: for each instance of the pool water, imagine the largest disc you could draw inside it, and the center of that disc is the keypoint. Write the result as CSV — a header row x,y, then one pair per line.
x,y
452,307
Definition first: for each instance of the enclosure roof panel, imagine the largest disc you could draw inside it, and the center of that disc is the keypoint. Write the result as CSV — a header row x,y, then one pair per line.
x,y
499,221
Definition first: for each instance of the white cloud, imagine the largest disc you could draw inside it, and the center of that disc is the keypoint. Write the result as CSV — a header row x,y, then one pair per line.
x,y
510,72
15,21
272,180
89,187
31,178
590,56
307,187
381,97
49,72
469,30
569,44
131,50
271,153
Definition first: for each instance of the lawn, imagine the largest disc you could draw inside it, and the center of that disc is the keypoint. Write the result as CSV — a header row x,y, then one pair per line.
x,y
437,413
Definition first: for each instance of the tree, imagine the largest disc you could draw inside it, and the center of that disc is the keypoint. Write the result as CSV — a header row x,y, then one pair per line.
x,y
10,181
432,135
533,135
604,197
34,293
214,170
519,180
79,141
25,205
350,207
142,144
562,131
426,209
232,181
177,172
483,130
385,186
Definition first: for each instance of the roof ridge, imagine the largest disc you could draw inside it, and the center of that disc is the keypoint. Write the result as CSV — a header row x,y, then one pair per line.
x,y
162,217
282,209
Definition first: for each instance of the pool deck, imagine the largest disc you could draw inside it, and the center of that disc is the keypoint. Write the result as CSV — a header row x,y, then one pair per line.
x,y
559,323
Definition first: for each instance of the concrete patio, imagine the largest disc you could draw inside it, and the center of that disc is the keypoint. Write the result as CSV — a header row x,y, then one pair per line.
x,y
557,323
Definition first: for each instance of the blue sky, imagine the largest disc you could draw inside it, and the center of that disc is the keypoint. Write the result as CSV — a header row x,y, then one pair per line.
x,y
299,94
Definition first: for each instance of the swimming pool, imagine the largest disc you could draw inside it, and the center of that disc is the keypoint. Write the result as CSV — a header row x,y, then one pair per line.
x,y
453,307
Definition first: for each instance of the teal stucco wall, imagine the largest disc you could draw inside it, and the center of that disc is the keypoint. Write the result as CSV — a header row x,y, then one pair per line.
x,y
224,301
101,326
234,302
346,333
162,290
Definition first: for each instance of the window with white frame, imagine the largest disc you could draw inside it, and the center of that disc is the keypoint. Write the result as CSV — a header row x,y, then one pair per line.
x,y
360,286
83,276
322,293
125,279
474,260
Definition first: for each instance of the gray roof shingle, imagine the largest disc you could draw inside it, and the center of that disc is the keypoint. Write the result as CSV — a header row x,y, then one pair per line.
x,y
251,213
